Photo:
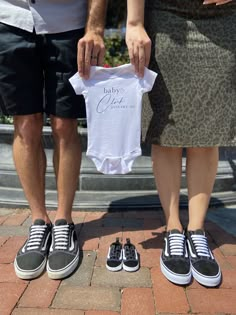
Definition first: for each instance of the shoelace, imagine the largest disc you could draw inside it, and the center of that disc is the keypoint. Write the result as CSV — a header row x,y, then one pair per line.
x,y
35,237
201,245
61,236
115,252
176,244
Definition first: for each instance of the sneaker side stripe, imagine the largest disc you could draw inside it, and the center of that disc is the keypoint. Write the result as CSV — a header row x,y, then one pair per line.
x,y
46,241
166,248
190,249
72,242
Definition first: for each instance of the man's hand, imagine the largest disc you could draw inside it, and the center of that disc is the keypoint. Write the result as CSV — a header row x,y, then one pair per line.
x,y
91,52
91,48
139,47
216,2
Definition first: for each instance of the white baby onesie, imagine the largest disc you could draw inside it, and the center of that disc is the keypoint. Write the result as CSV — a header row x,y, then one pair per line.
x,y
113,98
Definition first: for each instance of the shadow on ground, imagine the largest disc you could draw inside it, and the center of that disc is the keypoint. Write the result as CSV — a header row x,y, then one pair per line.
x,y
220,220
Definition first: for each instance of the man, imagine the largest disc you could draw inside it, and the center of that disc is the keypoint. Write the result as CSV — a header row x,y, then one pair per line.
x,y
38,54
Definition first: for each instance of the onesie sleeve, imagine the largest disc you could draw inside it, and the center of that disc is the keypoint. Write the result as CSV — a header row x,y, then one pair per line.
x,y
78,84
148,80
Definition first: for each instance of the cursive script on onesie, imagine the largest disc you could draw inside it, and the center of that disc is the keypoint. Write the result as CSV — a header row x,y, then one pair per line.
x,y
113,98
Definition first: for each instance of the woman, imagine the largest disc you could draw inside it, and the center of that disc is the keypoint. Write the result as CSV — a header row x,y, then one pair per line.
x,y
194,107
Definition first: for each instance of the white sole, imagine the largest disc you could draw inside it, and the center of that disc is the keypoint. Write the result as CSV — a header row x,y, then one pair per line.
x,y
173,277
29,274
206,281
114,269
64,272
130,269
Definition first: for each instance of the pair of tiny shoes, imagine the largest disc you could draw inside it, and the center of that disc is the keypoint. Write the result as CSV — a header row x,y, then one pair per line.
x,y
122,257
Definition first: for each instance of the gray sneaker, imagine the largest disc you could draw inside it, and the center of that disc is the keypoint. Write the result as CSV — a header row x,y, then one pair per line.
x,y
31,259
64,251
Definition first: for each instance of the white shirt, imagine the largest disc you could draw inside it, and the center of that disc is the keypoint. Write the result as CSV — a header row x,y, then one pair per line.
x,y
45,16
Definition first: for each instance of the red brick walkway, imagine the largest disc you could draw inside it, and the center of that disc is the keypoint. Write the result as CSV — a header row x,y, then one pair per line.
x,y
92,290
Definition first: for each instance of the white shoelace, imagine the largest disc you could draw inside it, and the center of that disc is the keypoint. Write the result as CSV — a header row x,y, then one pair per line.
x,y
35,237
176,242
201,245
61,233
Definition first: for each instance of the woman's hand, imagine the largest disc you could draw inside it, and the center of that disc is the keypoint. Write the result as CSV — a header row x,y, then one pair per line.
x,y
216,2
139,47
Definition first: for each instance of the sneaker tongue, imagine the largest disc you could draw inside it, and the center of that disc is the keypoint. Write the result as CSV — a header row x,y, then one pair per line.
x,y
61,222
175,231
199,232
39,222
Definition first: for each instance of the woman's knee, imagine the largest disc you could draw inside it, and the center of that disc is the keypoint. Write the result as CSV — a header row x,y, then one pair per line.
x,y
199,151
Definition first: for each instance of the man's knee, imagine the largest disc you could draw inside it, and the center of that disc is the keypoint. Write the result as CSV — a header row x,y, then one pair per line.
x,y
29,128
64,128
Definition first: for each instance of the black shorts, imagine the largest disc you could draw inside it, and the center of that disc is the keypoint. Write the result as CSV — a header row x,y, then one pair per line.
x,y
34,73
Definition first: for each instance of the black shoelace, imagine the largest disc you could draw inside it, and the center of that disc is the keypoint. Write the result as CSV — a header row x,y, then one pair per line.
x,y
115,251
129,250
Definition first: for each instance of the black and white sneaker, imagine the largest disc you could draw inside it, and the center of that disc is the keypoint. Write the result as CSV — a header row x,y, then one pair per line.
x,y
114,256
31,259
204,267
130,257
64,251
174,260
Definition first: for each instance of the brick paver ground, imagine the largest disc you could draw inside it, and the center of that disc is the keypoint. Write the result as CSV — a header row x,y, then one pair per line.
x,y
93,290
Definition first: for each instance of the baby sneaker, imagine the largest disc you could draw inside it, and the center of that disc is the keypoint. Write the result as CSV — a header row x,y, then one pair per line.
x,y
114,256
130,257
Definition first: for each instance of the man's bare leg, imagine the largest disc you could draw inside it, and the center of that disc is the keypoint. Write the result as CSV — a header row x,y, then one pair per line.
x,y
30,162
67,160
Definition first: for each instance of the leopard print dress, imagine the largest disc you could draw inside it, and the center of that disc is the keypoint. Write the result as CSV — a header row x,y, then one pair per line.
x,y
193,101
